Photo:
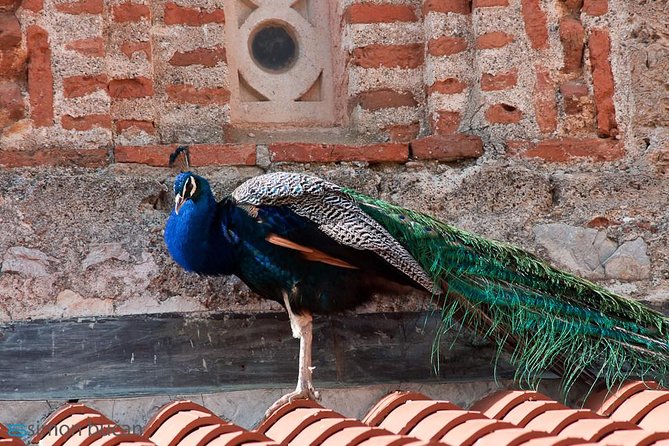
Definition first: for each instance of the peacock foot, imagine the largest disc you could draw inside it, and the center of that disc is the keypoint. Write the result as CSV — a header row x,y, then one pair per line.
x,y
306,392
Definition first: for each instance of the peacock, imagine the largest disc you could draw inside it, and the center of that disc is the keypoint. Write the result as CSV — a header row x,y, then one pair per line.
x,y
317,248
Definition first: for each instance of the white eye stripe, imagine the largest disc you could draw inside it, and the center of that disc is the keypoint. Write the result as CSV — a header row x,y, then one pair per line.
x,y
190,186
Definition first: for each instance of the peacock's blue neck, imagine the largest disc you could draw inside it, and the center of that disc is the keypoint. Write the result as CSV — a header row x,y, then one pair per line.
x,y
193,238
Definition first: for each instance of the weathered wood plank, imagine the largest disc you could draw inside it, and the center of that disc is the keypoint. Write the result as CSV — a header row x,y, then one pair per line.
x,y
172,354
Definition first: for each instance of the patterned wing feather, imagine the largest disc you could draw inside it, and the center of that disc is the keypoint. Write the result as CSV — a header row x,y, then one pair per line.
x,y
335,213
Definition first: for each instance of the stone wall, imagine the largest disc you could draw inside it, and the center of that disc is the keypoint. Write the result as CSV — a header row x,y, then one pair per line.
x,y
540,122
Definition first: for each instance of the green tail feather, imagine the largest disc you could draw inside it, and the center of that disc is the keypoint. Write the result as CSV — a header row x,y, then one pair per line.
x,y
547,315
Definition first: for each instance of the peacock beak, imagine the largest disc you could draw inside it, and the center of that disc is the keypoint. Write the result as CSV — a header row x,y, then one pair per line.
x,y
178,202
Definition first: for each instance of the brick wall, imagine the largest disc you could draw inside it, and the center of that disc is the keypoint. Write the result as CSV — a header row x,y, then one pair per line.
x,y
558,107
94,81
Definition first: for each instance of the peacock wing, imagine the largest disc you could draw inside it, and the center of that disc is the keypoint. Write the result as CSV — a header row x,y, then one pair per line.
x,y
334,213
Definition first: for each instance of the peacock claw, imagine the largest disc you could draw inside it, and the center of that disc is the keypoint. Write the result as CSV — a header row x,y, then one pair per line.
x,y
306,393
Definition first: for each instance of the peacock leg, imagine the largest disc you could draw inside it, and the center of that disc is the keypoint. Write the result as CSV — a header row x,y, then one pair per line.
x,y
301,324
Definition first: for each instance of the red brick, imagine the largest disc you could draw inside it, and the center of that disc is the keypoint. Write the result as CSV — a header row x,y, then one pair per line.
x,y
130,48
494,39
81,7
595,7
207,57
503,114
572,36
489,3
93,47
54,157
569,149
602,81
12,107
573,94
403,133
12,63
145,126
76,86
40,76
446,6
87,122
182,15
535,23
499,81
329,153
399,56
573,6
10,31
379,13
9,5
445,122
450,85
139,87
447,147
200,154
385,98
545,105
33,5
202,96
446,46
223,155
130,12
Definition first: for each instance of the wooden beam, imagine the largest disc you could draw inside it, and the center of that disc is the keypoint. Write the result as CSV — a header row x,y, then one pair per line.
x,y
175,354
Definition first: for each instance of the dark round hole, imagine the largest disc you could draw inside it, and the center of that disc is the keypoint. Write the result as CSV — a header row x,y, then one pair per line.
x,y
273,48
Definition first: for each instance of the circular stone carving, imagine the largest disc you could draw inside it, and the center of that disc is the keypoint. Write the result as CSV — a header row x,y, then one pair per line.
x,y
273,47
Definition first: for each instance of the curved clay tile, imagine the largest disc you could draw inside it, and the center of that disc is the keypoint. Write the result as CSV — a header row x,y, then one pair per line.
x,y
528,410
605,402
124,439
555,441
469,432
317,433
555,421
283,410
509,437
499,404
351,436
594,429
242,437
78,427
393,440
637,406
65,416
407,415
167,411
657,420
204,435
179,425
633,438
387,404
293,422
436,425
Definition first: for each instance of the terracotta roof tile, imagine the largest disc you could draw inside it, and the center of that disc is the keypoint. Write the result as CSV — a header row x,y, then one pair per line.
x,y
605,402
436,425
555,421
657,419
591,429
499,404
636,415
633,438
528,410
388,403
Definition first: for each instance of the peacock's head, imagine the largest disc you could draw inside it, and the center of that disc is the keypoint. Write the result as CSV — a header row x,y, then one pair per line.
x,y
188,186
